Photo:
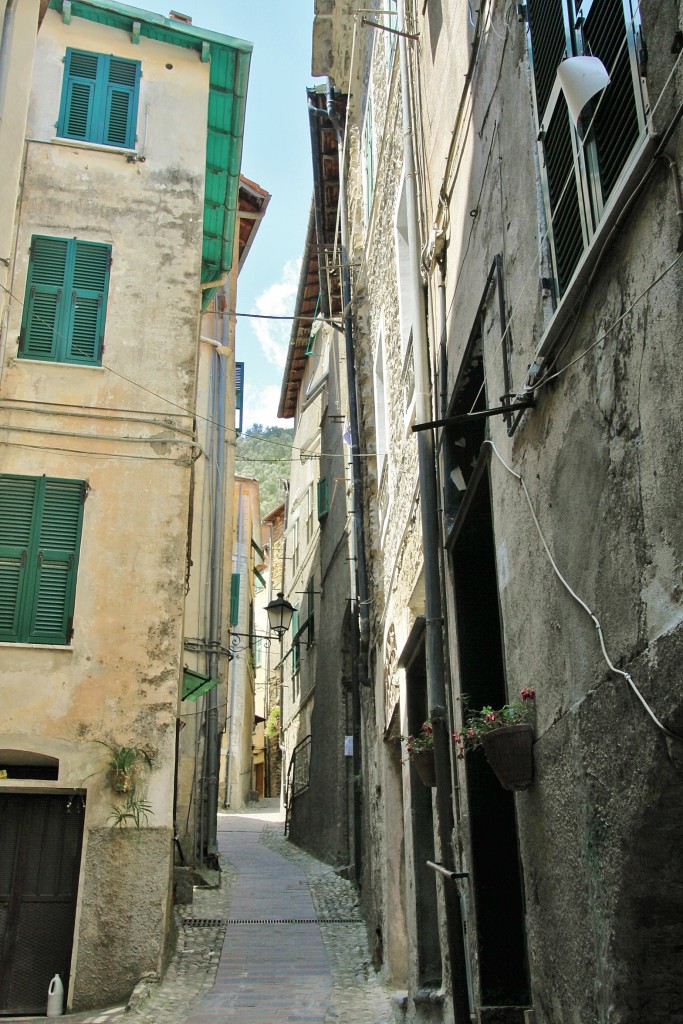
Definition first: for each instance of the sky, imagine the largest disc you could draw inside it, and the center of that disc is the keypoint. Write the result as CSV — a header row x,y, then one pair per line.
x,y
277,156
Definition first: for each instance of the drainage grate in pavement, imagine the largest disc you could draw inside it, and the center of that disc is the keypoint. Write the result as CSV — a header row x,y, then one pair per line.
x,y
217,922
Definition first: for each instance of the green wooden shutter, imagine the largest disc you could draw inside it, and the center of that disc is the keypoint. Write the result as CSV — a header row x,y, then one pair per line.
x,y
99,99
120,102
40,532
59,519
42,326
295,640
323,497
17,502
89,265
66,300
78,107
234,598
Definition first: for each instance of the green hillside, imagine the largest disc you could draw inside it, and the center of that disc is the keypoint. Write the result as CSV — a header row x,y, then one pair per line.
x,y
264,453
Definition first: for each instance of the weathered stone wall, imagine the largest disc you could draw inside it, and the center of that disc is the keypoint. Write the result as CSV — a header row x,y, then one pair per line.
x,y
597,832
316,698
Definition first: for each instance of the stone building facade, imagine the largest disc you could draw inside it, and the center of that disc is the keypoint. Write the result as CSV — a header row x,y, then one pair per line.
x,y
317,671
531,260
98,393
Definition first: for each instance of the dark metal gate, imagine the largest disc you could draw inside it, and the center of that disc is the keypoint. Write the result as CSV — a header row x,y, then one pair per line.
x,y
40,853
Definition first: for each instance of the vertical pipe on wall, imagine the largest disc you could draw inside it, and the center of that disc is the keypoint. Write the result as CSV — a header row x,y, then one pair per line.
x,y
430,540
217,567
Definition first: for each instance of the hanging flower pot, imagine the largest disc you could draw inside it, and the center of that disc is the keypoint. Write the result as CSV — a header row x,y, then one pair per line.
x,y
507,737
509,751
420,751
424,766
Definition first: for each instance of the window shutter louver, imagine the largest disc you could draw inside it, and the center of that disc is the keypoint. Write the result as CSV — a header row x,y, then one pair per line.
x,y
66,300
234,598
45,298
295,640
59,533
17,500
323,497
566,230
122,84
88,301
40,532
99,99
78,100
582,166
616,125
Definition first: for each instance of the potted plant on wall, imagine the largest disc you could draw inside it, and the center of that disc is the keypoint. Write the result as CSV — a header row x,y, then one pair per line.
x,y
124,765
506,737
420,751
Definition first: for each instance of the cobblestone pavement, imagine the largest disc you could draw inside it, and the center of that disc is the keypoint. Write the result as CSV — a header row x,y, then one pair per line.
x,y
288,944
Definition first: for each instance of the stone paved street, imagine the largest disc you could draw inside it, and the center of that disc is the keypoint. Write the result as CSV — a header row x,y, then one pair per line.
x,y
293,950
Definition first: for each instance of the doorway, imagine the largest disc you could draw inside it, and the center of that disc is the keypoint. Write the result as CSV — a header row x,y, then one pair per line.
x,y
428,946
497,876
40,855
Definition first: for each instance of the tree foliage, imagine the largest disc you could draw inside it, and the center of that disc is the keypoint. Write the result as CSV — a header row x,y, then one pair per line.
x,y
263,453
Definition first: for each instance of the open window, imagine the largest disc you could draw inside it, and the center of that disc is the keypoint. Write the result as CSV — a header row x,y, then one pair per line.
x,y
581,165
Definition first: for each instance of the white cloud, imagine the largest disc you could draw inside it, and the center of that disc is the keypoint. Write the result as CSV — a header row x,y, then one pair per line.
x,y
261,405
277,300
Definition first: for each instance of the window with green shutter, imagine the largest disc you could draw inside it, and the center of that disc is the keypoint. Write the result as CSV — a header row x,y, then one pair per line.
x,y
581,165
295,640
234,599
40,535
323,497
66,300
99,99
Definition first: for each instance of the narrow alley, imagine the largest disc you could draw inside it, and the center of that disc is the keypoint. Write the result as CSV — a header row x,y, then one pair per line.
x,y
280,941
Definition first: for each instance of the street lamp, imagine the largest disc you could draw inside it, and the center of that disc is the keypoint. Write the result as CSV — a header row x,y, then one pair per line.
x,y
280,613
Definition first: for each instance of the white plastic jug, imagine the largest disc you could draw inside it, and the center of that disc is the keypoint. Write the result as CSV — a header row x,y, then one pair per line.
x,y
55,998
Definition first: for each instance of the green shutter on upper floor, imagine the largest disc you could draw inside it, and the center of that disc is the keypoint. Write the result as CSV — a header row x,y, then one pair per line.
x,y
40,533
99,99
295,640
66,300
323,497
234,599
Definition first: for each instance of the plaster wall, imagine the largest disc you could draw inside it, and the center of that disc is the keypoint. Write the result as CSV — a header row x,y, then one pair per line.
x,y
118,427
236,766
18,30
217,329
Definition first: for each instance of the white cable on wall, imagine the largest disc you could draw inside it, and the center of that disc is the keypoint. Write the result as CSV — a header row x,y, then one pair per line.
x,y
596,621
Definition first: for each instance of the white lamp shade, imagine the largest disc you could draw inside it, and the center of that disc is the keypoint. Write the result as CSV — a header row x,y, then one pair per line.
x,y
581,78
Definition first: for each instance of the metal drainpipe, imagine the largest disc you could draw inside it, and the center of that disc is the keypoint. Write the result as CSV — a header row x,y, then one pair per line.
x,y
361,642
217,564
430,541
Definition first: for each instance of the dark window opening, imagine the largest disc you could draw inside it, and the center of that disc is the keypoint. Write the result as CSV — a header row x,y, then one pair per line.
x,y
25,764
462,444
428,947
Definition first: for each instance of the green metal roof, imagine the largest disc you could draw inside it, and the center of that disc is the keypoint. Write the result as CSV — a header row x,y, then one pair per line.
x,y
228,74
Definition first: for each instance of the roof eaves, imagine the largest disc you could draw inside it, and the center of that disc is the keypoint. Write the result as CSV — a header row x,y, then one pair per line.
x,y
285,410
